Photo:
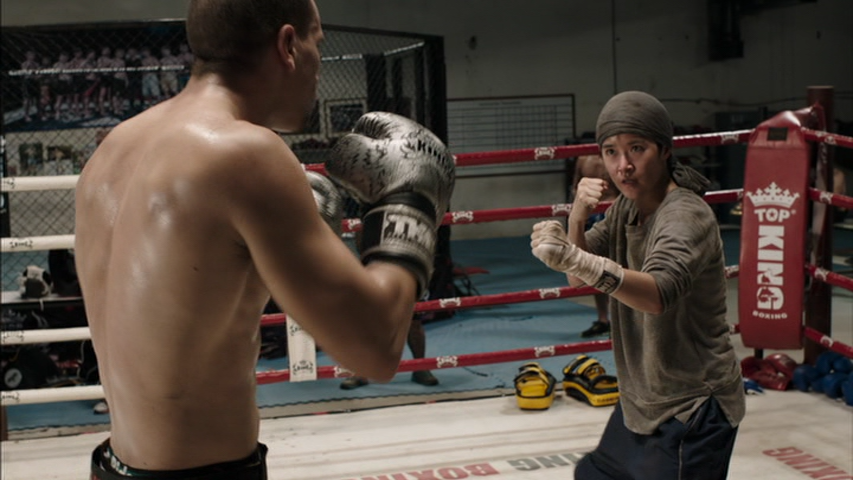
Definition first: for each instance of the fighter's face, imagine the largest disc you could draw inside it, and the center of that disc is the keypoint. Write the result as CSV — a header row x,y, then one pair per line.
x,y
635,164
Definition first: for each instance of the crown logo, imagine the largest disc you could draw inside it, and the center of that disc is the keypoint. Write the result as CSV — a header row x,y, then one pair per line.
x,y
772,195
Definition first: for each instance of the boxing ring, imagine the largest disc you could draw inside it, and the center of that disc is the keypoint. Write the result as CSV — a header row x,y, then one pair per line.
x,y
486,435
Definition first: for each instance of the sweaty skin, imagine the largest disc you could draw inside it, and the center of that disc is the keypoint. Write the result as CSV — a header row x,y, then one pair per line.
x,y
189,216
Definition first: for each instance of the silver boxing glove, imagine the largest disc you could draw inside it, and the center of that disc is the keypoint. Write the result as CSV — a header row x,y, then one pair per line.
x,y
404,176
329,201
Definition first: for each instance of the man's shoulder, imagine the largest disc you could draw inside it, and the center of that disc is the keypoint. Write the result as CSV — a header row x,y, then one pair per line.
x,y
247,139
245,152
178,133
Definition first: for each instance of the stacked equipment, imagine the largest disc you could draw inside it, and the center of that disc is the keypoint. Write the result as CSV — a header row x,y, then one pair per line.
x,y
774,372
831,375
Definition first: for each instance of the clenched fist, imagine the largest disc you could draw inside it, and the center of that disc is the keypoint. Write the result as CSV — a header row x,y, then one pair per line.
x,y
589,193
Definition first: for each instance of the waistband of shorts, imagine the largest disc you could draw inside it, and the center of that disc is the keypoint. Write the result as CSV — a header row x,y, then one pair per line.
x,y
106,464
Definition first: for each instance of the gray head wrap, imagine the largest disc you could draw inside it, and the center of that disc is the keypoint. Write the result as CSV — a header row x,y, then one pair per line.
x,y
641,114
637,113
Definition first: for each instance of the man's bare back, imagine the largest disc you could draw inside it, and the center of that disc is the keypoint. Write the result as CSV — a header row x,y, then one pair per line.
x,y
195,216
184,332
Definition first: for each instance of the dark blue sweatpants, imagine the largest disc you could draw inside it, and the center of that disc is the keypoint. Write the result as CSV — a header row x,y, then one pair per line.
x,y
698,450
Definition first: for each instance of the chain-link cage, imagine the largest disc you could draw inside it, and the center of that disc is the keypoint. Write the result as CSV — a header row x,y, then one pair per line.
x,y
64,87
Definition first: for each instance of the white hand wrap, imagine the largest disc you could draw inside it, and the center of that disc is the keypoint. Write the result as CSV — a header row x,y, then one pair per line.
x,y
550,245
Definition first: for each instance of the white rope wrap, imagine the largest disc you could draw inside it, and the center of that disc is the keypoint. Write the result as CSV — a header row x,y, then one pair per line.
x,y
33,184
22,337
47,242
51,395
301,353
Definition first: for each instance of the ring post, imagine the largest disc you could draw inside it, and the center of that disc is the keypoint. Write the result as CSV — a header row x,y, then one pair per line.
x,y
772,256
818,308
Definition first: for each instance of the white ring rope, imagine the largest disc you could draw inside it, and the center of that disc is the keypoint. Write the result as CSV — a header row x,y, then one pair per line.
x,y
22,337
51,395
46,242
33,184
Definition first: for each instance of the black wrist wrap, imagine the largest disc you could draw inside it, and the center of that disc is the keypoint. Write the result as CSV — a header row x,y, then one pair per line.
x,y
401,229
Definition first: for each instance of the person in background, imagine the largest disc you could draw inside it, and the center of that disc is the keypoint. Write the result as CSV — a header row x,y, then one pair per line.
x,y
30,86
440,286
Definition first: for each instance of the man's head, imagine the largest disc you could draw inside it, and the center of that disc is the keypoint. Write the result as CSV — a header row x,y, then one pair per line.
x,y
243,37
230,35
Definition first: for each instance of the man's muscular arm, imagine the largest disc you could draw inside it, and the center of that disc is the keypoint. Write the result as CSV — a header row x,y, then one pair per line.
x,y
359,316
403,175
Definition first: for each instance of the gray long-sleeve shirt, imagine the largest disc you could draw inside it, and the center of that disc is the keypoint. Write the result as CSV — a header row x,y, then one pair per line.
x,y
669,364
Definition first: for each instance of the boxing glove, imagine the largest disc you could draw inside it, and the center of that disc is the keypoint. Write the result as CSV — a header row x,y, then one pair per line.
x,y
329,201
825,360
765,372
842,365
832,384
404,176
847,392
749,366
817,383
804,376
549,243
783,364
777,371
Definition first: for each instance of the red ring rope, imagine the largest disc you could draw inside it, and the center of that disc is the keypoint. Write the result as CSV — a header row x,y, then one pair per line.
x,y
455,361
540,211
568,151
829,198
830,277
828,342
458,303
828,138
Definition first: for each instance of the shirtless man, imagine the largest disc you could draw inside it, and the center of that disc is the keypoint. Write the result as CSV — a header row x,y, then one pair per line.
x,y
592,166
191,215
